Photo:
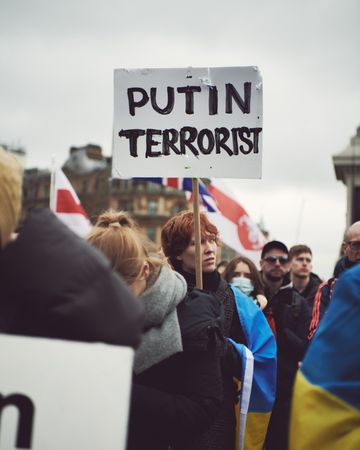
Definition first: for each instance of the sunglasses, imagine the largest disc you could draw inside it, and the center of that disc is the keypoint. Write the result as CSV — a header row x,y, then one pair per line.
x,y
273,259
354,245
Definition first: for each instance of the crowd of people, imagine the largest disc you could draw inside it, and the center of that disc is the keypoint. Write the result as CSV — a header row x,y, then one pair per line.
x,y
118,288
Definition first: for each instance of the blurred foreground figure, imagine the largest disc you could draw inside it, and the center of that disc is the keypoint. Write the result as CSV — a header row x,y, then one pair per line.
x,y
326,401
351,249
53,283
177,389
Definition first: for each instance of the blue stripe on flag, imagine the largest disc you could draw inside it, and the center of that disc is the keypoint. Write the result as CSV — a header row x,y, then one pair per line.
x,y
332,360
261,342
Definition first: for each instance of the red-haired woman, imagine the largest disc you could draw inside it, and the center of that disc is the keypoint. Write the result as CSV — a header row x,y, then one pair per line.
x,y
178,245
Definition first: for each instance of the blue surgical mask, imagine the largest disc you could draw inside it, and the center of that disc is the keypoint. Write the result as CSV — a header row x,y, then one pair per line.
x,y
244,284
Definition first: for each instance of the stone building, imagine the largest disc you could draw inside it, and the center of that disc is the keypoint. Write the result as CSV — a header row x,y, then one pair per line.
x,y
89,172
347,169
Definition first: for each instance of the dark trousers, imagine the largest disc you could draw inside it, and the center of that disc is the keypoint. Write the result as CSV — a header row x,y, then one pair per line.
x,y
278,430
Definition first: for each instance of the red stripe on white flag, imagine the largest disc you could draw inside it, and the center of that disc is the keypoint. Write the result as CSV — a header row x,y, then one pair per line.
x,y
236,228
65,203
67,206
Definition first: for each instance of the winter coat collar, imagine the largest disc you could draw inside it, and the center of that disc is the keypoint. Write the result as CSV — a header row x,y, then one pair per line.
x,y
211,280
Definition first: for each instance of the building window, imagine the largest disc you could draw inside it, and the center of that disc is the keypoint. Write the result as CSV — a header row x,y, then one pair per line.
x,y
152,207
127,205
154,187
177,208
151,232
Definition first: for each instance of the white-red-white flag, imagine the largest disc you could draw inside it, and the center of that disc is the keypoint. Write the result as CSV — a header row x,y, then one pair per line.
x,y
236,228
67,206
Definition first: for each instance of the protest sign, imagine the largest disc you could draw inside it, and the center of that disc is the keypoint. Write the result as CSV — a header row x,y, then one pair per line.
x,y
57,395
194,122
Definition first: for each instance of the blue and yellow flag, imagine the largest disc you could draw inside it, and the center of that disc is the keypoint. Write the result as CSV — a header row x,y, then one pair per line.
x,y
326,401
258,377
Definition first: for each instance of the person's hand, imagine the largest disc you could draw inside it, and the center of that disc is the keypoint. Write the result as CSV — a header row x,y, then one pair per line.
x,y
262,300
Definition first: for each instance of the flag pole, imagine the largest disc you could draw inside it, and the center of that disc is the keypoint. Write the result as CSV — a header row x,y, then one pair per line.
x,y
197,233
52,184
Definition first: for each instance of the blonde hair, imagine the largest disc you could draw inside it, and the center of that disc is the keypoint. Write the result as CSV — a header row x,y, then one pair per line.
x,y
10,195
119,237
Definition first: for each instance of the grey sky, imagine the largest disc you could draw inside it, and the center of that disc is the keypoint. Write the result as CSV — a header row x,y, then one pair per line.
x,y
56,90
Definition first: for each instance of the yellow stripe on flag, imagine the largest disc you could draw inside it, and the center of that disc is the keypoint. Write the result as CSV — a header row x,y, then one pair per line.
x,y
322,421
256,428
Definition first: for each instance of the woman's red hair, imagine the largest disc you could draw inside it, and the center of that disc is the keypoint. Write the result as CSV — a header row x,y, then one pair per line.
x,y
177,232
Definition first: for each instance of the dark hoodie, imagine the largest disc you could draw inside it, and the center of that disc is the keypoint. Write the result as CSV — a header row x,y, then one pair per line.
x,y
55,285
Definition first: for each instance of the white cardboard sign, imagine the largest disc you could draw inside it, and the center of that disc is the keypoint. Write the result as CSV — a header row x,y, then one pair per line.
x,y
57,395
194,122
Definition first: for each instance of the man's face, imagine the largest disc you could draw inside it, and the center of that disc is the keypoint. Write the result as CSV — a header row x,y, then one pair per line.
x,y
208,254
300,265
275,264
352,246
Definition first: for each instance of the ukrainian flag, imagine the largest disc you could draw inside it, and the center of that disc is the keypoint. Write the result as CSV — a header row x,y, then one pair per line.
x,y
258,377
326,401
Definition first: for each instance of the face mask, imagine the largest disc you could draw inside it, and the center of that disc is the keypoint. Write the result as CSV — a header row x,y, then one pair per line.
x,y
244,284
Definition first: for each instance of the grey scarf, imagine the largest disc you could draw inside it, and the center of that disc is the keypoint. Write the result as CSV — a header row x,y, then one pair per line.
x,y
162,337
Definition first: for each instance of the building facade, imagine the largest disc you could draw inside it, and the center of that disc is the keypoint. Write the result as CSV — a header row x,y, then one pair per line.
x,y
347,169
89,172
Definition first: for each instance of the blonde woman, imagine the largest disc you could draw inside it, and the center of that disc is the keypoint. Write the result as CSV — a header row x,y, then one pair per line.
x,y
177,381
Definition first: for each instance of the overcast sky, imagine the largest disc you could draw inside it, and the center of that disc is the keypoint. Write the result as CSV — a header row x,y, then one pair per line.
x,y
56,89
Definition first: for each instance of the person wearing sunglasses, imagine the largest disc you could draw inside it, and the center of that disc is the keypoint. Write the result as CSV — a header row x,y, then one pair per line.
x,y
288,315
351,257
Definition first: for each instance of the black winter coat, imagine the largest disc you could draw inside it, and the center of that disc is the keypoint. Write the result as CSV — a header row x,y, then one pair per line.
x,y
221,435
292,315
55,285
177,399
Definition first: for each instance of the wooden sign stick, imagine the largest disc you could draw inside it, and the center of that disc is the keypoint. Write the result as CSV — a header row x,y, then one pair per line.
x,y
197,233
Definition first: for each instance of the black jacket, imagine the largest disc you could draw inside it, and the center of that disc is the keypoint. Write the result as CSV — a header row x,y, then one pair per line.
x,y
311,288
221,435
292,316
310,291
177,399
54,284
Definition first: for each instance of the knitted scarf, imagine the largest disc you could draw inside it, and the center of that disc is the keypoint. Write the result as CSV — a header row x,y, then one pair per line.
x,y
162,337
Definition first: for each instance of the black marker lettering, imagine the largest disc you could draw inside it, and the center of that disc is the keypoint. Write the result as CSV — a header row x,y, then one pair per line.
x,y
221,136
136,104
232,93
132,135
189,97
170,101
187,141
213,100
242,132
234,133
150,143
170,137
211,141
256,132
